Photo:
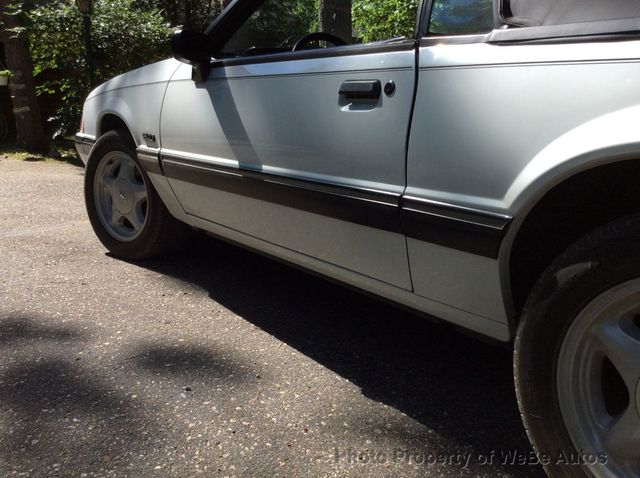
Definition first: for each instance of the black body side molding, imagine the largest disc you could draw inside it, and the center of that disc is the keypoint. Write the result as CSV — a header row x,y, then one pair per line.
x,y
468,230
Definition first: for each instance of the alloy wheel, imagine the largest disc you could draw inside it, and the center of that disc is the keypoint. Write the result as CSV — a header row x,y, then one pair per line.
x,y
121,196
598,382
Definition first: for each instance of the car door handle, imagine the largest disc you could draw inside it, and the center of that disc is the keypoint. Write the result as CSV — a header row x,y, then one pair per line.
x,y
361,89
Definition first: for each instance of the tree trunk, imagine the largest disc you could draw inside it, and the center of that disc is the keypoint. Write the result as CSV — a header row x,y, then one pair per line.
x,y
187,23
335,18
23,90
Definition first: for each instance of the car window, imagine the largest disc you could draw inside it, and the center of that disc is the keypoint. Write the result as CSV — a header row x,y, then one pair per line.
x,y
461,17
278,25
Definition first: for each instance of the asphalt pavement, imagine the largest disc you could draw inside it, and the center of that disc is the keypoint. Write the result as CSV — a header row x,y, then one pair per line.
x,y
220,362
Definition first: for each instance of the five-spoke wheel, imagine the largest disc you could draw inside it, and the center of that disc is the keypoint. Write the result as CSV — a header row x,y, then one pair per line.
x,y
125,210
121,196
577,357
599,376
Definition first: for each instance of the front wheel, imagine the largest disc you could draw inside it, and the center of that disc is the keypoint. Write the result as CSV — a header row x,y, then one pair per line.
x,y
125,211
577,358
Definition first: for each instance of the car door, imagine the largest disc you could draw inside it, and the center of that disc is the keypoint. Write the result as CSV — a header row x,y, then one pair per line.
x,y
304,149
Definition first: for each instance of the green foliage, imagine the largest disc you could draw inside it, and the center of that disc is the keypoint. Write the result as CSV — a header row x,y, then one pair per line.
x,y
6,73
376,20
283,19
305,13
373,20
456,17
188,14
123,38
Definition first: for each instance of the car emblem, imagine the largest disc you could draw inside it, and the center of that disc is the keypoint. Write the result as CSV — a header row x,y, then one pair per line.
x,y
123,196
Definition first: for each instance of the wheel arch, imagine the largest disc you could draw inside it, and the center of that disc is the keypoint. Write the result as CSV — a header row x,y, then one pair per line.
x,y
578,182
113,122
576,202
115,113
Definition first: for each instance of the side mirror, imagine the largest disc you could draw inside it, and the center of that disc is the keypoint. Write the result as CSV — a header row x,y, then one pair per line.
x,y
192,48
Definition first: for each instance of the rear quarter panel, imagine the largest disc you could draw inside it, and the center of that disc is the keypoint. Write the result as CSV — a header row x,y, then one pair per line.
x,y
496,126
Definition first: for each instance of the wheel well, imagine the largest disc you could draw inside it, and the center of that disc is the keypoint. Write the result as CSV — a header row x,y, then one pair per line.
x,y
567,212
111,122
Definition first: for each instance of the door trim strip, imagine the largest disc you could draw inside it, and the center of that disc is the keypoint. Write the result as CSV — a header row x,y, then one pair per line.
x,y
465,229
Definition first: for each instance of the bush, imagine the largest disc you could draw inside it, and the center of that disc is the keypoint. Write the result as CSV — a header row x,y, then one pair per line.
x,y
376,20
123,38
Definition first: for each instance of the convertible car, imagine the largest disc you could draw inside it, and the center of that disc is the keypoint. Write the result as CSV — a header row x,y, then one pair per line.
x,y
477,161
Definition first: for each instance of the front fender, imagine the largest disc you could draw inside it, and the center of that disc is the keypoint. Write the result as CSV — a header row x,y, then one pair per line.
x,y
135,97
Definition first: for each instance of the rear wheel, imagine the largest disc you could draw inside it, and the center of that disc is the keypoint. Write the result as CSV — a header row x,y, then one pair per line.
x,y
577,357
125,211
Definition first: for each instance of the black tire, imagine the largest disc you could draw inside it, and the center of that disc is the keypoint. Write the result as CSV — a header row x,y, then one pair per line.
x,y
602,260
161,233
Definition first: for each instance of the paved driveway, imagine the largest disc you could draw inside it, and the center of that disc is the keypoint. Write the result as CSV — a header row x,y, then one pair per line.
x,y
219,362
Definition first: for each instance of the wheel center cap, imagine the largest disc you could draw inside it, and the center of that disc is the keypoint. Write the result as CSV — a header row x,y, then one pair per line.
x,y
123,199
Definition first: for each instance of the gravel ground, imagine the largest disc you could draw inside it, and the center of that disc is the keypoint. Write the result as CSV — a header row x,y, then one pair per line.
x,y
220,362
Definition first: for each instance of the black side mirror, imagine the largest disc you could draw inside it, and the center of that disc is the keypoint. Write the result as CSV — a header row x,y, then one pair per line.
x,y
192,48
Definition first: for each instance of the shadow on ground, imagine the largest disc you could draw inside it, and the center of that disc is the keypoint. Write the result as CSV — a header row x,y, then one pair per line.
x,y
23,329
452,383
59,418
186,363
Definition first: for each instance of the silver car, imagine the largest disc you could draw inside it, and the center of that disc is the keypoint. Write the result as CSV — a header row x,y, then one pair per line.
x,y
479,164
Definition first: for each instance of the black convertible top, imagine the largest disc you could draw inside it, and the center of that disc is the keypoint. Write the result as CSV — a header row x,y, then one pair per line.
x,y
562,12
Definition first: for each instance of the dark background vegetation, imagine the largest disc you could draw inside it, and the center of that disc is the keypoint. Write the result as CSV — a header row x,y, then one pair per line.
x,y
46,37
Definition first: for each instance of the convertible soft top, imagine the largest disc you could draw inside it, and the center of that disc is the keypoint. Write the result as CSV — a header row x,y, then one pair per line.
x,y
562,12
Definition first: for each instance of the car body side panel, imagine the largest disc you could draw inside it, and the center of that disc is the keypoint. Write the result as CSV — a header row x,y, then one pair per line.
x,y
484,114
286,119
467,281
352,246
496,126
158,72
135,98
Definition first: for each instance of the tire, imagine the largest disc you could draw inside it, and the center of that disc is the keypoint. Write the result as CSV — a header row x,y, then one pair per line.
x,y
577,357
114,182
